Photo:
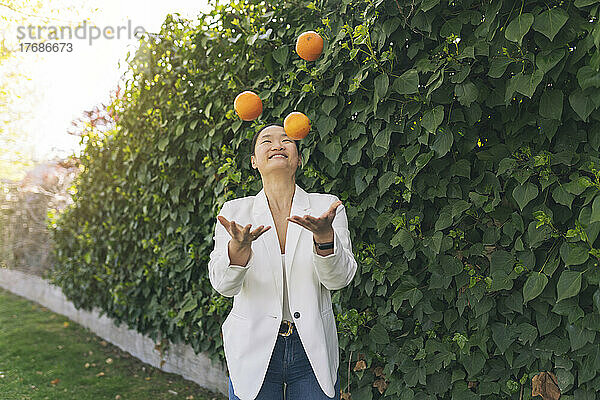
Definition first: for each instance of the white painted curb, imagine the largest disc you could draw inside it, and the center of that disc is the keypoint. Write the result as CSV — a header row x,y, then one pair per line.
x,y
179,358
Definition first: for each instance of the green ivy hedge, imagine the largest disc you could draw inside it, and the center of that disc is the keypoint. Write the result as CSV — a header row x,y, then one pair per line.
x,y
462,137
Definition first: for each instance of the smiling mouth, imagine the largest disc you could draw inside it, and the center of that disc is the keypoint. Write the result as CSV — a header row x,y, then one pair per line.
x,y
277,156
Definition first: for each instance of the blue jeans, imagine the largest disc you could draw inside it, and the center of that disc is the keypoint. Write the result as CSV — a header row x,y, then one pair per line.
x,y
290,364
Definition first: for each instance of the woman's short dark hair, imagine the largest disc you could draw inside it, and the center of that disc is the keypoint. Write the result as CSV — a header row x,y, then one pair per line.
x,y
255,138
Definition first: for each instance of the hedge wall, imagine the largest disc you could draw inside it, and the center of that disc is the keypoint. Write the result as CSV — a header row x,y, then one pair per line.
x,y
462,137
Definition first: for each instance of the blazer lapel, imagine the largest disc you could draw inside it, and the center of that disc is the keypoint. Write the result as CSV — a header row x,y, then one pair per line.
x,y
262,216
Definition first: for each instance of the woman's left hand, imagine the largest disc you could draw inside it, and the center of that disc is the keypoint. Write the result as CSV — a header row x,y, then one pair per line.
x,y
320,227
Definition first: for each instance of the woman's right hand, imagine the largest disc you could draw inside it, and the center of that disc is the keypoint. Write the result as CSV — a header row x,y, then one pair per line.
x,y
242,237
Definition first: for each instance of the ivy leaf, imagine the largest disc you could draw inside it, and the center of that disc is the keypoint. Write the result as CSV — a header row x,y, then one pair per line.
x,y
466,93
433,118
403,238
584,3
524,193
379,334
546,60
550,21
524,84
518,27
534,286
569,284
573,253
588,77
551,104
407,83
443,142
502,260
595,217
498,66
381,85
581,104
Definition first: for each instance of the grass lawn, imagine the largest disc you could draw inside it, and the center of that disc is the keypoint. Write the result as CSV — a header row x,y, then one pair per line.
x,y
44,355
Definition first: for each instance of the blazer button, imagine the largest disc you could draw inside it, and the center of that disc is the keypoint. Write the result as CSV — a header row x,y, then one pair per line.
x,y
296,314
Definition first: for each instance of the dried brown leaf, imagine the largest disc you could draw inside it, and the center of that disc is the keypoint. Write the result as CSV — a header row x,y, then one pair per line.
x,y
381,385
545,384
360,365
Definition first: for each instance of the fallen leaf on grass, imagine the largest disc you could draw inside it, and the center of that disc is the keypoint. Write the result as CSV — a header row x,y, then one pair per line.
x,y
109,360
87,365
99,374
147,378
103,343
190,397
65,324
39,372
172,392
55,381
346,396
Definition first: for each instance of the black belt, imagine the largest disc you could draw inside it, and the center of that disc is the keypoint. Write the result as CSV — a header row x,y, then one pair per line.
x,y
286,328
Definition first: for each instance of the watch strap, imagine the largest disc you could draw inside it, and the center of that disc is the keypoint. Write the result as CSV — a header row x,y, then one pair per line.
x,y
323,246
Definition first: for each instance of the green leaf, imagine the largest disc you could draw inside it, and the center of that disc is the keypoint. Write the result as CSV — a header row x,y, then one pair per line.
x,y
595,217
385,181
379,334
569,284
502,260
427,5
332,149
381,85
550,21
524,84
534,286
452,266
162,143
329,104
355,150
579,336
442,142
325,125
551,104
433,118
518,27
588,77
407,83
498,66
584,3
524,193
573,253
581,104
561,196
444,220
466,93
281,54
403,238
546,60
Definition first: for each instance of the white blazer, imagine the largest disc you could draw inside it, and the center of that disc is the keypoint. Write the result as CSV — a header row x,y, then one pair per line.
x,y
251,328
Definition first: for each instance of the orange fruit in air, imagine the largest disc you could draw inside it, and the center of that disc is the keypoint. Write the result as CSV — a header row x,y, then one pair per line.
x,y
296,125
309,45
248,105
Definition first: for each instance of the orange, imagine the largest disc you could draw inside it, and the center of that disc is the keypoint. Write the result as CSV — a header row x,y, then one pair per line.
x,y
296,125
248,105
309,45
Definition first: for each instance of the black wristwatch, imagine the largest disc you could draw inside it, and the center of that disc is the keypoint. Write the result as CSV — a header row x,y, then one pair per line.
x,y
323,246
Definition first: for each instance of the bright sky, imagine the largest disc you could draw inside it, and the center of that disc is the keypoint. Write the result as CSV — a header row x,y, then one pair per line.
x,y
65,84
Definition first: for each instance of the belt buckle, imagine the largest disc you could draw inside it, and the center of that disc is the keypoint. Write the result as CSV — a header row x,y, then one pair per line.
x,y
289,331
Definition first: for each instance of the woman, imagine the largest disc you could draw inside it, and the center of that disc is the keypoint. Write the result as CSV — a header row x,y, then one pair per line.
x,y
281,329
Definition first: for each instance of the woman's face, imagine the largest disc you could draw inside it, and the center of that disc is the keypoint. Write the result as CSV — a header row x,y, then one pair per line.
x,y
271,142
